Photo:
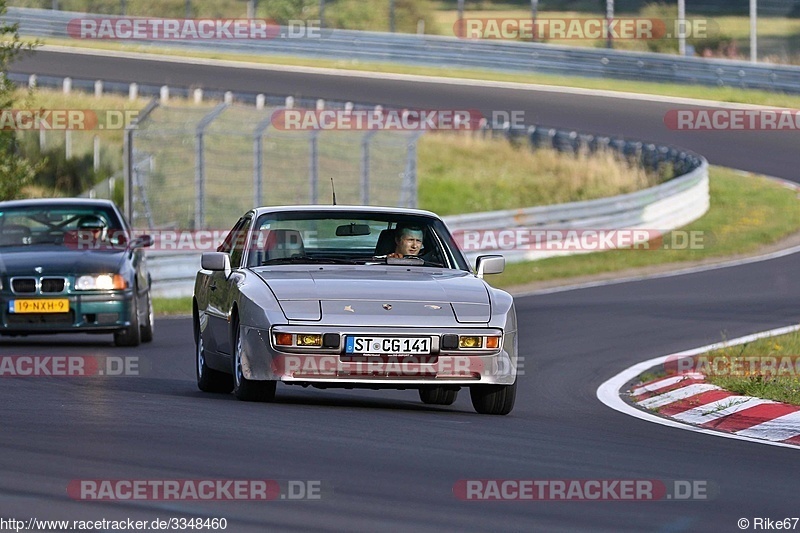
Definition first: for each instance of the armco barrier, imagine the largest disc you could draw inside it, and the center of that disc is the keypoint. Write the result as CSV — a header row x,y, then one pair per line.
x,y
453,52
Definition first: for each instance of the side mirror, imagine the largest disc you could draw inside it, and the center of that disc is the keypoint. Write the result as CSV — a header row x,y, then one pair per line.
x,y
490,264
216,261
142,241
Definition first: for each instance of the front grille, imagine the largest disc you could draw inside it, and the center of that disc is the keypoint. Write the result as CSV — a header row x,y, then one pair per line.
x,y
53,285
23,285
40,319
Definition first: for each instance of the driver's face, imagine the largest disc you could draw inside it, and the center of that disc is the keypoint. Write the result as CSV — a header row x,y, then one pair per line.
x,y
410,243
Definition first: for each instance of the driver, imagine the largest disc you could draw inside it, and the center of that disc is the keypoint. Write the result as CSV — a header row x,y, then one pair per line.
x,y
408,242
92,228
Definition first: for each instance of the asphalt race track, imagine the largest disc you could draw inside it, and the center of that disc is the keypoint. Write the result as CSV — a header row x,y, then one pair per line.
x,y
385,460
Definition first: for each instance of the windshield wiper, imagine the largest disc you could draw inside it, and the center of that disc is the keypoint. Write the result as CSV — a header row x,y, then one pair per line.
x,y
414,260
304,259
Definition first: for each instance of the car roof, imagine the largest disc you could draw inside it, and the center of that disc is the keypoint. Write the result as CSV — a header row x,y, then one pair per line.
x,y
87,202
344,208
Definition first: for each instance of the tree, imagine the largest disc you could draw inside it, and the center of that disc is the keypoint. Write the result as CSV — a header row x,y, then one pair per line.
x,y
15,171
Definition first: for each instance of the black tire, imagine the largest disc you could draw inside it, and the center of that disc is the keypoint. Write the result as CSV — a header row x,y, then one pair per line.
x,y
243,388
146,332
130,336
208,379
493,399
438,395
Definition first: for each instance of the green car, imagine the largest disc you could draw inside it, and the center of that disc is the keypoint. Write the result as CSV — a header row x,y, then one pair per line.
x,y
73,265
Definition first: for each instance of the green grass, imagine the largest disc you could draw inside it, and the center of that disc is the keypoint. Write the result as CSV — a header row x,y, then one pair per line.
x,y
467,174
172,306
755,377
745,214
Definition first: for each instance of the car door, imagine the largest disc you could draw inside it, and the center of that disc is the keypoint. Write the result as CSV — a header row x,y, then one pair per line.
x,y
222,288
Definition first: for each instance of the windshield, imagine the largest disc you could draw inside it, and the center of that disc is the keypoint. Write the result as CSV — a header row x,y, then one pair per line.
x,y
353,237
70,226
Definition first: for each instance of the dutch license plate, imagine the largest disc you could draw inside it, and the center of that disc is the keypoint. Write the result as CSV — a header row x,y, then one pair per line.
x,y
388,345
58,305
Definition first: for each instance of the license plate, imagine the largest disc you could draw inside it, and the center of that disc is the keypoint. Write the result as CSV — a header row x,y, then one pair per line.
x,y
59,305
388,345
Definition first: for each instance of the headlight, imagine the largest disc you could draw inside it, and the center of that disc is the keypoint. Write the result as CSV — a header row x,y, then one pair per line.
x,y
100,282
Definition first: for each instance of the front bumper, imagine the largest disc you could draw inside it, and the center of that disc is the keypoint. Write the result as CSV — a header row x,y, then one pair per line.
x,y
261,361
96,311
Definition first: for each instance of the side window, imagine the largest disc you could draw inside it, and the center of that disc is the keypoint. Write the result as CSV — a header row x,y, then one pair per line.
x,y
238,238
227,244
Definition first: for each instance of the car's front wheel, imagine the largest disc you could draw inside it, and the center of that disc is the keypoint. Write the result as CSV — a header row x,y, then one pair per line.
x,y
146,332
438,395
493,399
208,379
130,336
243,388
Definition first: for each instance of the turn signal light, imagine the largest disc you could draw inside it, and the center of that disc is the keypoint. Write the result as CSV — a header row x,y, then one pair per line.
x,y
283,339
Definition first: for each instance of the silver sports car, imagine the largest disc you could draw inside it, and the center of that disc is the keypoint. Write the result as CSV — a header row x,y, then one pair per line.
x,y
352,297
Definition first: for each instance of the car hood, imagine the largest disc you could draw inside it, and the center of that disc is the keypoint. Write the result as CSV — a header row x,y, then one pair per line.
x,y
375,295
60,261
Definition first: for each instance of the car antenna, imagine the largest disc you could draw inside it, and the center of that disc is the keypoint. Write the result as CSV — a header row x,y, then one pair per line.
x,y
333,190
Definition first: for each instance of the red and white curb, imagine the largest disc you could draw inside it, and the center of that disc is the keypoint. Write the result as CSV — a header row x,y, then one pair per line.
x,y
689,403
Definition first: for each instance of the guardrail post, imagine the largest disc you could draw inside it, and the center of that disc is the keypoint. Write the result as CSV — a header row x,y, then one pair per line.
x,y
199,165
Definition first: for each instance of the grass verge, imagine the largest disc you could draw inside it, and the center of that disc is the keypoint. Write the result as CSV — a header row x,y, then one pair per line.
x,y
172,306
468,174
745,214
764,368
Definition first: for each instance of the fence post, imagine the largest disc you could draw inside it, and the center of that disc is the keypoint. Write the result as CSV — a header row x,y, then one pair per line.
x,y
365,140
258,167
96,153
313,171
199,166
127,158
410,177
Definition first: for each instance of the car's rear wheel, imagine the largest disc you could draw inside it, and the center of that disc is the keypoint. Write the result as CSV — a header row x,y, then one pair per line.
x,y
438,395
493,399
146,333
208,379
130,336
243,388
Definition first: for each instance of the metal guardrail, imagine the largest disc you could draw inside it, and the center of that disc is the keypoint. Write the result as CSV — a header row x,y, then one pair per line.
x,y
453,52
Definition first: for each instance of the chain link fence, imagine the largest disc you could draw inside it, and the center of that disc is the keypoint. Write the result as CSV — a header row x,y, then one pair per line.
x,y
199,167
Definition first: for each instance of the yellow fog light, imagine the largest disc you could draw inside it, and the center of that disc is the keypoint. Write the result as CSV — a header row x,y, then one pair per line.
x,y
309,340
470,342
492,342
